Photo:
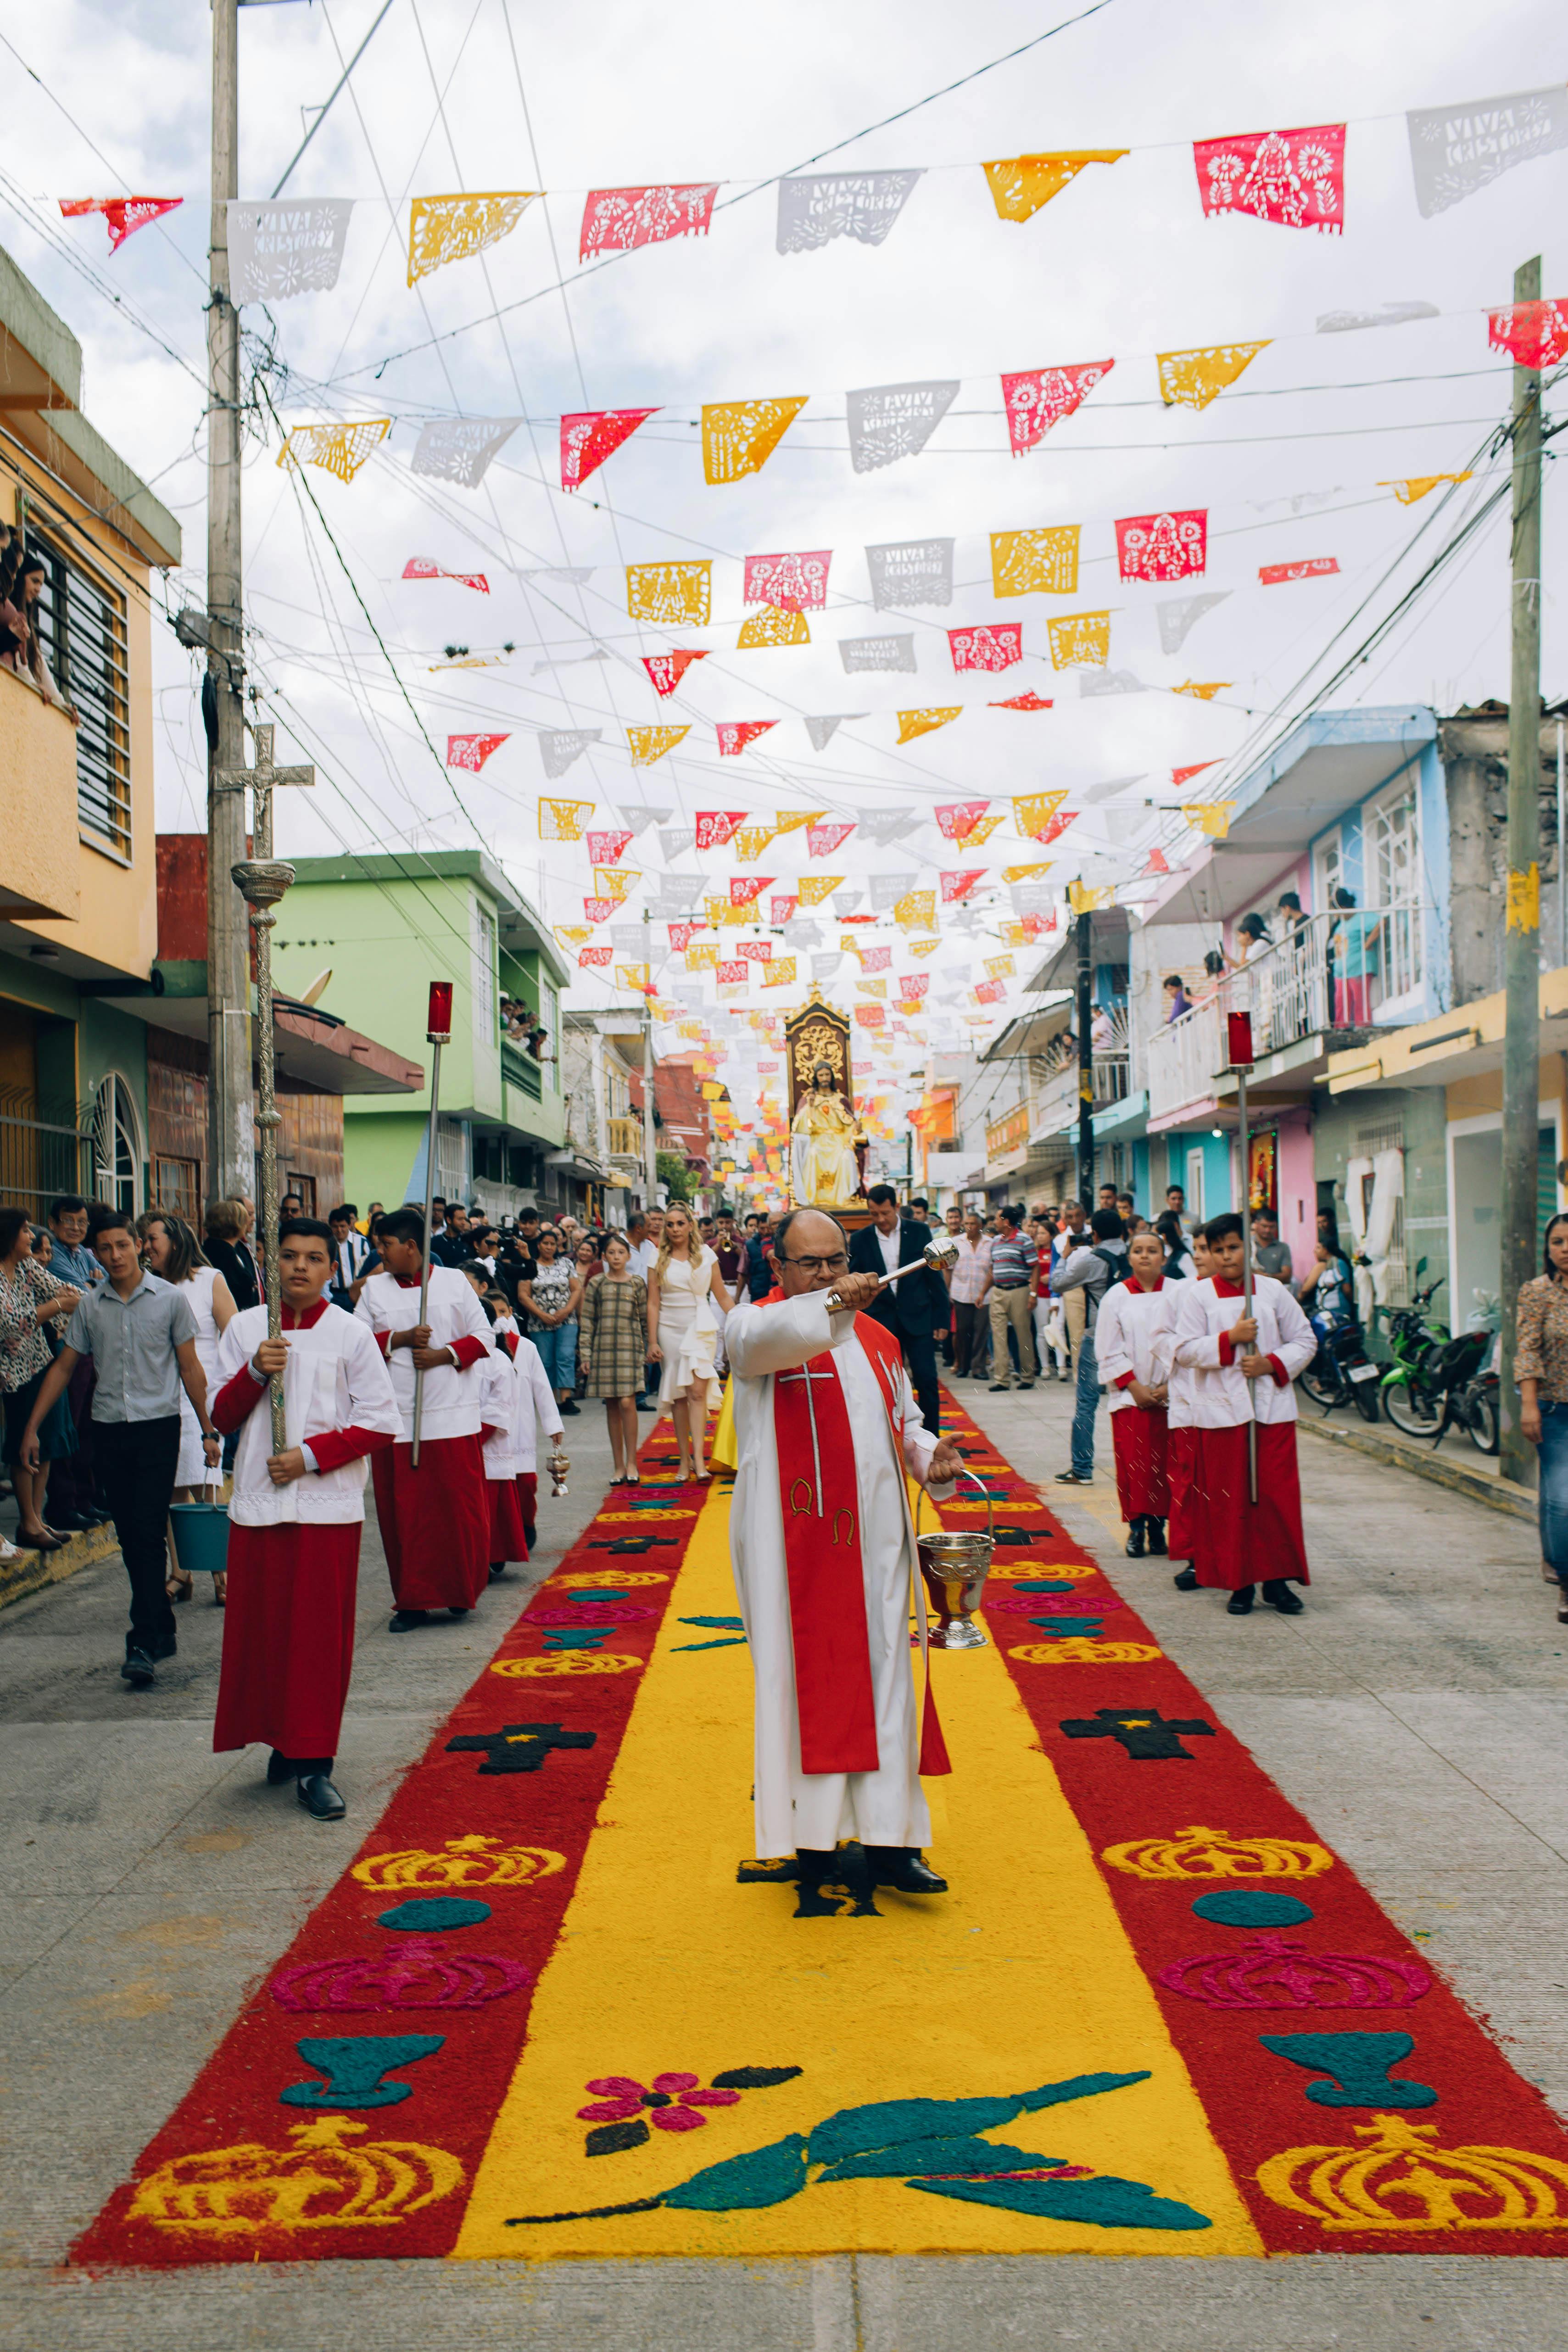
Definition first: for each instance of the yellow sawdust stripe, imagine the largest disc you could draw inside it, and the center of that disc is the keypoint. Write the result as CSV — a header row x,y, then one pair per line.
x,y
1020,1977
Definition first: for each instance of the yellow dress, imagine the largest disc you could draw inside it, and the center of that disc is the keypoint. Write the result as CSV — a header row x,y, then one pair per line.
x,y
822,1156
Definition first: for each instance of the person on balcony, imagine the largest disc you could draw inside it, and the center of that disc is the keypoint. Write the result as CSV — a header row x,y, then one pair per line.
x,y
1178,1001
1102,1031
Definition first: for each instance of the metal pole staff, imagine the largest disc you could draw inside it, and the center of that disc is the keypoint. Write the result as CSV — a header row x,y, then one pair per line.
x,y
1239,1034
437,1033
262,882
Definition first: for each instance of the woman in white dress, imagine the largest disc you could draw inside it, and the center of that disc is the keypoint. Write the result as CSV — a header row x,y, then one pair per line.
x,y
683,1290
171,1250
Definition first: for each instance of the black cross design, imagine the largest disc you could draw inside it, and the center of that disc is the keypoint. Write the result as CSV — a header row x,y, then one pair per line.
x,y
518,1746
1142,1731
631,1543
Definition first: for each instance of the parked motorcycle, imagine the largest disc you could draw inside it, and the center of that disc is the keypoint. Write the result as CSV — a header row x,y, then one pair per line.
x,y
1412,1395
1342,1373
1469,1367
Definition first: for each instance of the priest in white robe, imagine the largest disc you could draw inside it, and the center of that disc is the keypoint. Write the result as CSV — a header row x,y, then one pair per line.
x,y
826,1427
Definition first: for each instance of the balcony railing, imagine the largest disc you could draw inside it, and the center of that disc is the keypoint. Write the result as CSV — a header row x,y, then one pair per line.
x,y
522,1071
625,1139
1334,972
1056,1105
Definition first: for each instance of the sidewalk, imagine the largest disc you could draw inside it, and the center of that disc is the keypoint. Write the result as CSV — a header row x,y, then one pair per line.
x,y
1455,1463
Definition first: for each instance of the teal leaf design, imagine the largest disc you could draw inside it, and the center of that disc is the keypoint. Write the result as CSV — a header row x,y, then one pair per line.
x,y
936,2156
765,2176
1107,2202
725,1641
725,1624
1067,1629
884,2122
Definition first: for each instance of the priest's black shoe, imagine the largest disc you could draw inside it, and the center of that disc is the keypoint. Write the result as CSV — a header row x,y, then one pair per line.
x,y
1135,1538
904,1867
408,1621
321,1798
1240,1602
1155,1531
1278,1595
1186,1579
833,1885
280,1768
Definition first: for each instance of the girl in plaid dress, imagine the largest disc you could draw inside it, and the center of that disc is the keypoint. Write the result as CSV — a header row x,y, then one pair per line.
x,y
614,1347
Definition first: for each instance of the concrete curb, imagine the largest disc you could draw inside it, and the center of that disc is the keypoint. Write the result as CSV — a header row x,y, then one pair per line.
x,y
1486,1486
35,1570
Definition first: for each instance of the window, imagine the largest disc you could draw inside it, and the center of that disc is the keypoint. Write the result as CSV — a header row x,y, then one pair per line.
x,y
484,977
177,1186
1328,872
1194,1187
1392,825
82,628
117,1146
304,1187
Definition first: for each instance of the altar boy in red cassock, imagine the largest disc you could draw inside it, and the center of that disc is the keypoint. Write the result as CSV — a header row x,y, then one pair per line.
x,y
1129,1332
295,1517
826,1427
436,1519
1244,1367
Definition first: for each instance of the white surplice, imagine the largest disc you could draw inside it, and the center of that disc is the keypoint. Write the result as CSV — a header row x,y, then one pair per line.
x,y
815,1810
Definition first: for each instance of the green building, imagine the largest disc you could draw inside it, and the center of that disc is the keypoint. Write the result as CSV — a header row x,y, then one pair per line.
x,y
385,928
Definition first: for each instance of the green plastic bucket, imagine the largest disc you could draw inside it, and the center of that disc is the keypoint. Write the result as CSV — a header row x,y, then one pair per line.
x,y
201,1536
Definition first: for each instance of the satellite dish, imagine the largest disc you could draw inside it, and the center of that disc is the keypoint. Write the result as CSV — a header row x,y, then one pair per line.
x,y
317,988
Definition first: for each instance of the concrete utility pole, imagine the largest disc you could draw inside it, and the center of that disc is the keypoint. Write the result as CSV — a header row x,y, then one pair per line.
x,y
1086,1059
231,1129
650,1140
1522,1045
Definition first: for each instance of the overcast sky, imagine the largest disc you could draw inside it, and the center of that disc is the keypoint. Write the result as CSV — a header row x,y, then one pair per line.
x,y
1121,265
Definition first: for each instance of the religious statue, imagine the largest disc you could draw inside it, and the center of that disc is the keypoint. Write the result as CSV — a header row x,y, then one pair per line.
x,y
824,1168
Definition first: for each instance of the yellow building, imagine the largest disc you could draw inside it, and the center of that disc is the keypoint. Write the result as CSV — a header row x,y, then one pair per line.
x,y
79,914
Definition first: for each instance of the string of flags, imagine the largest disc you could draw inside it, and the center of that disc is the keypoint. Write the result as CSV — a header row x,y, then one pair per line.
x,y
1285,178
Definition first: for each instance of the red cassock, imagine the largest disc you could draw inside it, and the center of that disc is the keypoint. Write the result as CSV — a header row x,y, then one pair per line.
x,y
1181,1536
289,1637
435,1521
527,1482
507,1540
1239,1541
1140,1439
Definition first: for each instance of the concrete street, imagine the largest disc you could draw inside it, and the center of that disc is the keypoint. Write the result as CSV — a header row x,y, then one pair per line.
x,y
1417,1712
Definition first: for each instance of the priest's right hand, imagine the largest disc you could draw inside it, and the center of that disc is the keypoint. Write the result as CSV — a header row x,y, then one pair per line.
x,y
272,1356
416,1335
855,1291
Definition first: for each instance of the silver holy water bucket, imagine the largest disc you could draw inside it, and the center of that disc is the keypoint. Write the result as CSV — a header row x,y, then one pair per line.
x,y
954,1565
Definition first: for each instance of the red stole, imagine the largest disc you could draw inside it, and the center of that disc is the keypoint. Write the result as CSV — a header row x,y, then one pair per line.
x,y
821,1505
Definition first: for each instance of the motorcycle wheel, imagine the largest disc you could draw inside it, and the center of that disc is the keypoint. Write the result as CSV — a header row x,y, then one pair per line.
x,y
1411,1409
1366,1395
1483,1423
1322,1382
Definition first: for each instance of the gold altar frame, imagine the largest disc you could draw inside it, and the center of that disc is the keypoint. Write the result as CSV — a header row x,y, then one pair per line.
x,y
817,1034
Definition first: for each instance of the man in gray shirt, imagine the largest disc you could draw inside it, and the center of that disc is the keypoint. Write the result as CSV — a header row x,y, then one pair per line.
x,y
141,1334
1269,1254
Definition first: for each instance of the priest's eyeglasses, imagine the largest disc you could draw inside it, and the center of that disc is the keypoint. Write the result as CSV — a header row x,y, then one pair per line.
x,y
834,1265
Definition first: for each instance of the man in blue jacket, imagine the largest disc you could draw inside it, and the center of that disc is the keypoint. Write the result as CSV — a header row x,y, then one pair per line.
x,y
916,1310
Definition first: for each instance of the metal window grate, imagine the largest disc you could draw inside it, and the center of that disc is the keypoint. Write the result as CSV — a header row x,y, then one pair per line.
x,y
82,628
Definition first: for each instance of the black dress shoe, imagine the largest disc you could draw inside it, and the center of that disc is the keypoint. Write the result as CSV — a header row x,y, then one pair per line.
x,y
408,1621
1240,1602
459,1612
498,1571
1135,1539
138,1669
1155,1531
1186,1579
46,1542
835,1885
1278,1595
280,1768
902,1867
321,1798
569,1407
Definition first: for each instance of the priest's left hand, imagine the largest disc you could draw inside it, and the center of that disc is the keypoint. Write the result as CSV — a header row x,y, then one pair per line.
x,y
945,1466
284,1468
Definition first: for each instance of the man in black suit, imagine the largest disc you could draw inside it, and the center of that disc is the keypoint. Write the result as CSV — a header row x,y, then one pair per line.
x,y
914,1309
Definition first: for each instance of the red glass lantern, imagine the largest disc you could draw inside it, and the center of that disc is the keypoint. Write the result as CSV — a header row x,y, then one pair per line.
x,y
438,1021
1238,1039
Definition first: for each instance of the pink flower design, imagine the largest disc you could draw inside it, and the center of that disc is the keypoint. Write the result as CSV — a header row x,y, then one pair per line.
x,y
675,2100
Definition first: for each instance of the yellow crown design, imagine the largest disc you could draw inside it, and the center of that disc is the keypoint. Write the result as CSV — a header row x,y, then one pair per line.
x,y
317,2184
1198,1852
463,1861
1402,2182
